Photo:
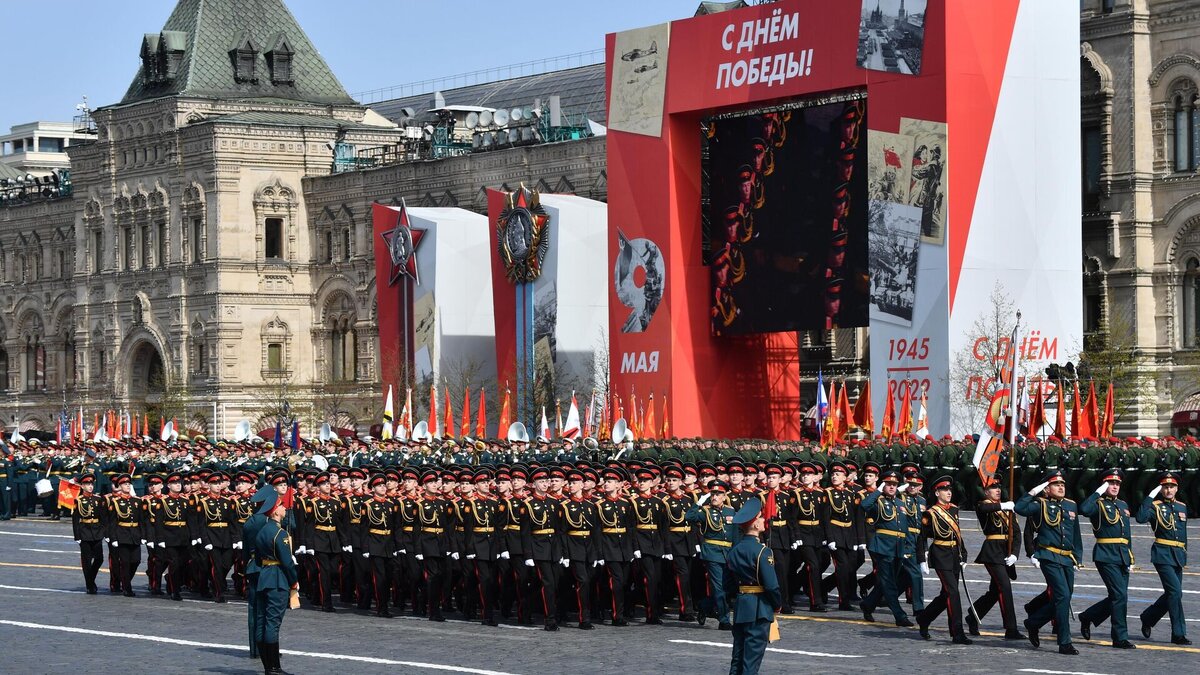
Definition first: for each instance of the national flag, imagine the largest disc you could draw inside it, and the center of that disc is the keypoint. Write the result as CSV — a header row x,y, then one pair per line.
x,y
544,431
1077,421
904,422
844,414
1060,420
505,417
861,415
822,407
666,425
829,431
465,430
68,492
889,412
278,434
922,418
648,422
448,429
481,422
1106,423
633,415
145,424
571,428
388,414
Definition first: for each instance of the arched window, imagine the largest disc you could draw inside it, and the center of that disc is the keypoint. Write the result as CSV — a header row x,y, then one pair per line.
x,y
1187,126
69,358
3,369
1191,303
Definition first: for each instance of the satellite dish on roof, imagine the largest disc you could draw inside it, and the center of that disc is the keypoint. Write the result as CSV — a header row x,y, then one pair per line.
x,y
527,112
485,118
515,114
501,117
472,120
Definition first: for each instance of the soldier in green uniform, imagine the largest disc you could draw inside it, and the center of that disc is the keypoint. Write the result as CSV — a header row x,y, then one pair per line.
x,y
277,578
1168,520
887,546
1059,548
752,569
6,467
250,530
714,522
1113,557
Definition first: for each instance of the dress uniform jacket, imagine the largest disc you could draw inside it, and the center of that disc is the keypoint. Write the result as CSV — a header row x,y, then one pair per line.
x,y
540,538
715,529
843,526
581,536
616,542
434,518
215,517
353,505
1168,521
380,527
811,507
173,524
1057,537
681,538
1110,524
999,533
483,524
512,510
87,520
327,523
649,523
781,528
891,524
752,569
127,520
939,525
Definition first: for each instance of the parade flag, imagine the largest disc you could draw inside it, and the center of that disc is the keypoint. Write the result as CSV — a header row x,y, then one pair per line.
x,y
433,418
505,417
1106,424
1037,411
558,420
633,415
278,435
465,430
1091,413
544,431
845,417
296,434
648,421
829,429
1023,407
861,415
145,424
588,421
388,415
904,422
666,428
448,429
571,428
999,414
1060,420
68,492
58,431
406,415
922,418
1077,421
822,407
481,422
889,411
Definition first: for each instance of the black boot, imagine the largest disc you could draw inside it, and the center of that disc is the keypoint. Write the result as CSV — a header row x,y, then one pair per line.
x,y
262,656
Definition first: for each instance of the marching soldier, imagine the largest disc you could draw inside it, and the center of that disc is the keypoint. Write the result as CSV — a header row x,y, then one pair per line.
x,y
1113,556
946,556
173,532
809,536
215,516
483,542
998,557
780,508
681,541
327,523
579,543
540,536
1059,549
616,540
912,579
891,518
843,533
126,532
759,596
277,577
650,525
434,518
87,524
716,529
1168,520
380,535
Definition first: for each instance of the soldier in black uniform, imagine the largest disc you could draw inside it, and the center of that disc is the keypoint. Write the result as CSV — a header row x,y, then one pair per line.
x,y
616,542
215,516
998,555
780,508
580,543
650,526
434,518
483,542
126,532
946,557
541,541
87,524
173,532
380,536
843,534
809,535
326,522
354,565
681,541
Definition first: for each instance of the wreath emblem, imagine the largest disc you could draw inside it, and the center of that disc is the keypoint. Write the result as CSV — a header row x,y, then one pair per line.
x,y
522,237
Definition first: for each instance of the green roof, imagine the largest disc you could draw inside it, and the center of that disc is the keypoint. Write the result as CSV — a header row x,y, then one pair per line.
x,y
287,120
209,33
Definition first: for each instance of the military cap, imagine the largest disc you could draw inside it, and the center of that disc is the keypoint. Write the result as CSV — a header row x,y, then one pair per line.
x,y
889,476
1113,474
540,473
748,512
357,474
574,474
943,482
519,471
612,473
376,479
718,486
851,465
277,478
215,477
589,474
503,474
909,467
449,476
155,479
690,469
871,467
408,473
556,472
1055,476
1168,478
673,472
836,466
808,468
321,478
482,476
121,479
87,479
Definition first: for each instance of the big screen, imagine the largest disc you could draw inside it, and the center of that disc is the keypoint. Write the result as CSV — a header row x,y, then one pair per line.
x,y
785,217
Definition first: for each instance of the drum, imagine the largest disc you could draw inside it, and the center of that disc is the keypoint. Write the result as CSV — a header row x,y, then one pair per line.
x,y
44,488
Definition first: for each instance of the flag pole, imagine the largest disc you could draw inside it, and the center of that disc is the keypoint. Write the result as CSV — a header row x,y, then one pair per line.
x,y
1012,431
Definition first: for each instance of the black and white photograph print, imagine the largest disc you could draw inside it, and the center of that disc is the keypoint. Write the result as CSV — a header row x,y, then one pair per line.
x,y
927,185
889,166
891,35
639,275
894,238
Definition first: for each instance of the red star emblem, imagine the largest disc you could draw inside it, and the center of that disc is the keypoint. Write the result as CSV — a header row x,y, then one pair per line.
x,y
402,242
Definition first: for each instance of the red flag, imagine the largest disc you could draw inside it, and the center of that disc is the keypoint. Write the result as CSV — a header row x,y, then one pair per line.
x,y
666,427
904,419
770,508
633,415
892,158
648,423
465,429
1091,415
505,422
145,424
861,415
1077,421
889,412
448,430
1060,422
481,422
1037,412
1106,425
829,432
68,492
844,414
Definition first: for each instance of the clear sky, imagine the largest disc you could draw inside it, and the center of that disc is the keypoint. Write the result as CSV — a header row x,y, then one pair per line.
x,y
59,51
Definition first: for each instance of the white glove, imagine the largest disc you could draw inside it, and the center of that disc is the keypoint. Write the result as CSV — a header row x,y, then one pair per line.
x,y
301,550
862,547
795,545
596,563
367,554
1037,489
106,540
403,551
470,556
962,564
902,487
395,553
832,545
668,556
236,544
1036,563
454,555
564,562
78,541
697,548
637,555
346,549
504,555
529,562
116,544
1010,561
143,542
1007,506
1103,487
1154,493
924,568
599,562
703,499
208,547
294,561
420,556
195,542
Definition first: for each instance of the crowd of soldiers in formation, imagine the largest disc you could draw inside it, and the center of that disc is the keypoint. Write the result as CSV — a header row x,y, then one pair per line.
x,y
588,542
